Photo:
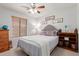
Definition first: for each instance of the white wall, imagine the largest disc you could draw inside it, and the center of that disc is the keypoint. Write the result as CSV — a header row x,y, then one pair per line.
x,y
68,13
78,23
78,16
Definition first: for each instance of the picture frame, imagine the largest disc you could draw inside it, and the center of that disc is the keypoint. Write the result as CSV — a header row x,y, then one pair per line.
x,y
59,20
49,18
44,22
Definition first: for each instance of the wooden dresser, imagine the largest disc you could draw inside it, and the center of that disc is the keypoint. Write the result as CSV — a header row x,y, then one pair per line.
x,y
4,40
71,43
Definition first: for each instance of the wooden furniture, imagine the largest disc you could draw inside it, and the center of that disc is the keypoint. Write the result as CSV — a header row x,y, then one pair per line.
x,y
68,40
4,40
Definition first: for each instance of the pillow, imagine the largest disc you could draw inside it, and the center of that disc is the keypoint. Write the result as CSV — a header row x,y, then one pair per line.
x,y
49,33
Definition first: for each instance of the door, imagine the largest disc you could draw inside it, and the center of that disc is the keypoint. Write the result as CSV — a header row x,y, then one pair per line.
x,y
15,24
19,26
23,27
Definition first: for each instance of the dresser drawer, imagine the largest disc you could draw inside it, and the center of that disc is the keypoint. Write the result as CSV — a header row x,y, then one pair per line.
x,y
4,43
4,48
3,32
4,40
4,37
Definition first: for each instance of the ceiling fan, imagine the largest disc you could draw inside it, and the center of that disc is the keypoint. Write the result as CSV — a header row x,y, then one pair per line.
x,y
34,8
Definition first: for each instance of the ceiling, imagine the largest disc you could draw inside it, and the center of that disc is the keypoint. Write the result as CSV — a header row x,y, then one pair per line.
x,y
48,6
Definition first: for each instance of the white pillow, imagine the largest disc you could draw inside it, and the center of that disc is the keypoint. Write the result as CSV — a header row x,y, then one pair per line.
x,y
49,33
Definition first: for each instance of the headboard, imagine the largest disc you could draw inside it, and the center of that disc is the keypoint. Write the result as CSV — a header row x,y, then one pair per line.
x,y
49,30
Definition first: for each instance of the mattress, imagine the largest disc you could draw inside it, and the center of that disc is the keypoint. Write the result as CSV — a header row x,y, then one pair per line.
x,y
51,42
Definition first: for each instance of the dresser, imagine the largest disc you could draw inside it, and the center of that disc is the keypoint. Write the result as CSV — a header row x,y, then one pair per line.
x,y
68,40
4,40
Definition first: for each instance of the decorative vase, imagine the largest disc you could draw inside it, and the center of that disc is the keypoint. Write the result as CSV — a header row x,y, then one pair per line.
x,y
5,27
65,28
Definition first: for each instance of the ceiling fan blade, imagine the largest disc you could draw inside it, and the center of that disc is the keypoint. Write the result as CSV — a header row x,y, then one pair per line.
x,y
33,6
38,11
41,6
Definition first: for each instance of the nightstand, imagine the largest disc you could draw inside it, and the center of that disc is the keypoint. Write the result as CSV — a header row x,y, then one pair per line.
x,y
68,40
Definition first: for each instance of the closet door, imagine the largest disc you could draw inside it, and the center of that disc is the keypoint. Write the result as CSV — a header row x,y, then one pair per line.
x,y
23,27
19,26
16,26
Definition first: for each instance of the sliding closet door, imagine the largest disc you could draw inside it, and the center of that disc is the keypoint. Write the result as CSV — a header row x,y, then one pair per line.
x,y
19,26
23,27
15,24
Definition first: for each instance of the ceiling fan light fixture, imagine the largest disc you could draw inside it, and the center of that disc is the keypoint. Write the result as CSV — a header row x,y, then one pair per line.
x,y
32,4
34,8
31,11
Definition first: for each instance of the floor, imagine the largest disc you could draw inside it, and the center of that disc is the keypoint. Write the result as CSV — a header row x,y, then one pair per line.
x,y
57,52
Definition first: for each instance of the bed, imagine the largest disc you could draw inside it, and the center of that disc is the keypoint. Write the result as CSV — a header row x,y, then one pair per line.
x,y
38,45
